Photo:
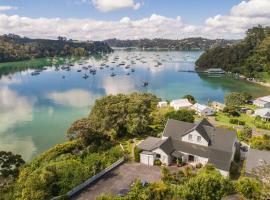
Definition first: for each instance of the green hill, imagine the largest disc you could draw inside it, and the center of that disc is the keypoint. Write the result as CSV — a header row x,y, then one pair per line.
x,y
16,48
250,57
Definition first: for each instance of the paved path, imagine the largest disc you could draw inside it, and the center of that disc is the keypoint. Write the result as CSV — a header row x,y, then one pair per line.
x,y
121,177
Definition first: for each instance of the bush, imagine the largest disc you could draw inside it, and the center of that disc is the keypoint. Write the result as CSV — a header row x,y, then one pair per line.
x,y
237,121
249,188
137,152
157,162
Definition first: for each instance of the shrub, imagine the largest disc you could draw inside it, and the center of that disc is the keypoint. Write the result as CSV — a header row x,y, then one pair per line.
x,y
157,162
137,152
249,188
237,121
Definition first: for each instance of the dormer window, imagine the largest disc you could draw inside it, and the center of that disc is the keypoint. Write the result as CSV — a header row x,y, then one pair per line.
x,y
189,137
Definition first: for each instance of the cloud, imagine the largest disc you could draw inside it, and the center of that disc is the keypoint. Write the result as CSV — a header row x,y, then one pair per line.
x,y
6,8
232,26
109,5
14,109
73,98
9,80
118,85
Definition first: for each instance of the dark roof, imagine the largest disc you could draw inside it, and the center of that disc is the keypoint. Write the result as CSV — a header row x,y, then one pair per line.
x,y
220,141
167,146
256,158
150,143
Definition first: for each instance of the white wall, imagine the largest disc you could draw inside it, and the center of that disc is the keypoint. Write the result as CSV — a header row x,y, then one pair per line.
x,y
194,134
147,159
197,159
164,158
223,173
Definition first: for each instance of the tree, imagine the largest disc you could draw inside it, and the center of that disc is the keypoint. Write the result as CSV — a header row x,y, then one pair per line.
x,y
260,142
190,98
10,164
245,134
121,115
234,99
181,115
249,188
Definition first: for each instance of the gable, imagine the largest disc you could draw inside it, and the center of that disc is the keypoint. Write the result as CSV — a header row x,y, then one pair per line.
x,y
194,137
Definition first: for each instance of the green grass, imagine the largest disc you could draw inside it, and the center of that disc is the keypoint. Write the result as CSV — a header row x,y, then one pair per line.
x,y
225,120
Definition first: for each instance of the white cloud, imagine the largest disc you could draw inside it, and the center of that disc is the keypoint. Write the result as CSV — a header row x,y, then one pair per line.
x,y
14,109
6,8
118,85
241,17
73,98
110,5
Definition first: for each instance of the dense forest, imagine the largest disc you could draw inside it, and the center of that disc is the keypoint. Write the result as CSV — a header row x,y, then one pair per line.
x,y
183,44
250,57
16,48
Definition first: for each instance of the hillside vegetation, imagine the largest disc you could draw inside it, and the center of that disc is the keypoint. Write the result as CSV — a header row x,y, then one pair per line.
x,y
250,57
183,44
16,48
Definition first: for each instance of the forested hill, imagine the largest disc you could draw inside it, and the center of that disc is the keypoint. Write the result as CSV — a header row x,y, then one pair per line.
x,y
183,44
250,57
15,48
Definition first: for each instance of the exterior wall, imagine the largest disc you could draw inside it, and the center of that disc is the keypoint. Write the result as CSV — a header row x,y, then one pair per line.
x,y
194,134
164,158
162,104
147,159
262,105
197,159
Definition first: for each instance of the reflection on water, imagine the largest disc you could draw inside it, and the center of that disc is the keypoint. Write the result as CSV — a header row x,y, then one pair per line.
x,y
36,110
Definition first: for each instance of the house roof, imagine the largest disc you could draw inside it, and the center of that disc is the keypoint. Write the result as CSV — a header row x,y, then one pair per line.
x,y
200,107
256,158
181,102
220,141
150,143
265,98
264,112
260,102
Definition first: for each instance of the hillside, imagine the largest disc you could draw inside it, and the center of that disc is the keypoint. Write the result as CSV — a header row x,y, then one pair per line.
x,y
183,44
16,48
250,57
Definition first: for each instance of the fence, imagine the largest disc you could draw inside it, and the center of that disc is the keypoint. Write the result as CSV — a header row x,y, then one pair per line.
x,y
85,184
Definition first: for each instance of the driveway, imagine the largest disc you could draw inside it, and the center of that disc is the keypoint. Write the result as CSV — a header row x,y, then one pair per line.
x,y
122,177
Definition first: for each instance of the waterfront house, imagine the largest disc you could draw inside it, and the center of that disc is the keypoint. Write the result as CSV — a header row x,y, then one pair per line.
x,y
180,104
162,104
255,159
192,143
217,106
263,102
202,110
264,113
215,71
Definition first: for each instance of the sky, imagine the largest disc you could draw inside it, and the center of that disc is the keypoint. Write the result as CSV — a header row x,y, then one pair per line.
x,y
132,19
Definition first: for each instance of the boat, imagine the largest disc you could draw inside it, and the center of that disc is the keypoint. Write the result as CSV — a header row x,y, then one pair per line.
x,y
85,76
127,74
113,74
145,84
79,70
132,70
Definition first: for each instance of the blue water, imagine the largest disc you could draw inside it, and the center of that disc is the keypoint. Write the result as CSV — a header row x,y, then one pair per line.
x,y
35,111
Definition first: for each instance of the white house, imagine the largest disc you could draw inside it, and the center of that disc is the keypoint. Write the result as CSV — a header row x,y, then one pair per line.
x,y
202,110
162,104
180,104
193,143
263,102
264,113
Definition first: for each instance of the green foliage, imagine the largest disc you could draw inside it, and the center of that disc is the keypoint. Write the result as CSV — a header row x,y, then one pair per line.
x,y
245,134
137,152
60,169
181,115
236,121
118,116
15,48
249,188
10,164
249,57
234,99
260,142
190,98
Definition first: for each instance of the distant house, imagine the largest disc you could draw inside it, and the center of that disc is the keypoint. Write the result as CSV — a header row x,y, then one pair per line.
x,y
217,106
263,102
193,143
162,104
180,104
215,71
202,110
264,113
256,158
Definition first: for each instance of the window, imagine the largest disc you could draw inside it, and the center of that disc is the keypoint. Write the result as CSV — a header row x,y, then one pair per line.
x,y
199,138
158,156
189,137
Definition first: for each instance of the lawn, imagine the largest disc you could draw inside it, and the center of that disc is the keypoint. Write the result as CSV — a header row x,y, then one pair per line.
x,y
225,120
